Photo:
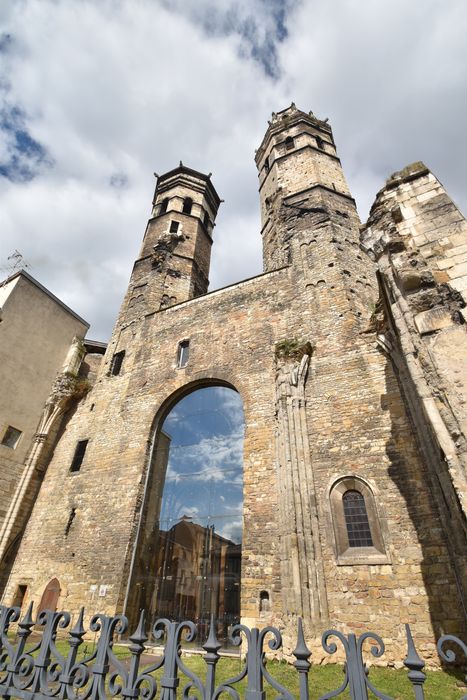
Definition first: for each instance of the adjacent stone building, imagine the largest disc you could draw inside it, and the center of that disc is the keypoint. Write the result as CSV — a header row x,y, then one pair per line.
x,y
37,334
348,356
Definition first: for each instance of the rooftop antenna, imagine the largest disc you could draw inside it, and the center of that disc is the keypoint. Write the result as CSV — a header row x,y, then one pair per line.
x,y
15,262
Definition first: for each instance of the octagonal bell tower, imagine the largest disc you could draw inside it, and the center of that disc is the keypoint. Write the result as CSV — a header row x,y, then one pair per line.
x,y
300,175
173,264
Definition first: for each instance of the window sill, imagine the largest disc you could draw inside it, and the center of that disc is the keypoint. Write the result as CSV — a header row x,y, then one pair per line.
x,y
355,556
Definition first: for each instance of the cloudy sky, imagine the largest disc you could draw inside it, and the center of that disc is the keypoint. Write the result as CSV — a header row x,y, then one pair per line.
x,y
204,480
98,94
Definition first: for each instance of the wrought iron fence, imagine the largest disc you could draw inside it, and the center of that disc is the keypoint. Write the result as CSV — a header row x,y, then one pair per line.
x,y
40,671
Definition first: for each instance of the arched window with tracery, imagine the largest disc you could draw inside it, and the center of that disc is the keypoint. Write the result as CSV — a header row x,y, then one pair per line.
x,y
357,525
356,520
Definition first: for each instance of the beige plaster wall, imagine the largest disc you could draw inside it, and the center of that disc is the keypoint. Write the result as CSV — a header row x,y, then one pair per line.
x,y
35,335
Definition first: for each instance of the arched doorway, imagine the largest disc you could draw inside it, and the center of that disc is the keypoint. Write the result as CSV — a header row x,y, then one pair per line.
x,y
50,596
188,558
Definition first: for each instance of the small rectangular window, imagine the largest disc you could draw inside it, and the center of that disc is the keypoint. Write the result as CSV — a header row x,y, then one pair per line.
x,y
183,353
11,437
79,455
174,226
116,364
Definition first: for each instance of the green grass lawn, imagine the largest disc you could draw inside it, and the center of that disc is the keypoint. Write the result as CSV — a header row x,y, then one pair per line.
x,y
440,685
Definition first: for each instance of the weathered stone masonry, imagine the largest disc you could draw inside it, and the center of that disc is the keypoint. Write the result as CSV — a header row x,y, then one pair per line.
x,y
319,368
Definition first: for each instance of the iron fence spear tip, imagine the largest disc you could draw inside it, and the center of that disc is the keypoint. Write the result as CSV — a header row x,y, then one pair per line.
x,y
212,644
412,660
78,629
27,619
301,651
139,635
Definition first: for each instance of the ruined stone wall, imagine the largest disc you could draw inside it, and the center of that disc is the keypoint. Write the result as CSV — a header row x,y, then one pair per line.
x,y
350,422
419,239
306,349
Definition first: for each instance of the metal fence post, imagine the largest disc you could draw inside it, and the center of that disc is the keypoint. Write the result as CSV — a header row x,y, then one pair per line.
x,y
415,665
211,647
302,654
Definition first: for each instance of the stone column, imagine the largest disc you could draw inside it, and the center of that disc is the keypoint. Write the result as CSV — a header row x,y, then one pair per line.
x,y
303,586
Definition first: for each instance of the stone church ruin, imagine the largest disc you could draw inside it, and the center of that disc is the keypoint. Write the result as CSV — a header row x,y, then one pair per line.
x,y
290,445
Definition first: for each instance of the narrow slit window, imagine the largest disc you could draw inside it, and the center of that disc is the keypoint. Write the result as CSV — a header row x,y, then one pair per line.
x,y
11,437
164,205
356,520
289,143
266,165
187,205
78,457
174,226
206,219
183,353
71,517
117,362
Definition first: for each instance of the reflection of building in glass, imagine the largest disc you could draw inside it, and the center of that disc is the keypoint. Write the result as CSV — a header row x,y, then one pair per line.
x,y
198,574
140,594
185,565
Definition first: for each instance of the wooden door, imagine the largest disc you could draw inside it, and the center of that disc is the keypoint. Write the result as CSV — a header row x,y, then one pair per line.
x,y
50,596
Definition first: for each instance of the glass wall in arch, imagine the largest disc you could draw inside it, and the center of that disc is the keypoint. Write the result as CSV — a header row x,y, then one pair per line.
x,y
189,554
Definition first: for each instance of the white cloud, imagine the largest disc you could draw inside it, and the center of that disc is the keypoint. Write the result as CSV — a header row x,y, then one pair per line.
x,y
115,90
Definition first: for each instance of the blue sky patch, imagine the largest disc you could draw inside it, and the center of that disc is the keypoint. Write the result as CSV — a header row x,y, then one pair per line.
x,y
118,181
26,156
262,27
6,41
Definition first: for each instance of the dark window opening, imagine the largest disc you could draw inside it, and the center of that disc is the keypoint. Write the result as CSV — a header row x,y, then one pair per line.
x,y
79,455
19,596
117,362
71,517
289,143
266,165
183,353
264,604
320,142
187,205
11,437
206,219
164,205
356,520
174,226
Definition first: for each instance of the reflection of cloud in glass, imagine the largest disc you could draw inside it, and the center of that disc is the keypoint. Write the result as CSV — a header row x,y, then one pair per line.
x,y
231,530
204,478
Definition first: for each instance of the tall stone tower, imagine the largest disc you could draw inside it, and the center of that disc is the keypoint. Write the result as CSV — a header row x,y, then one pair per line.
x,y
173,264
299,171
306,207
